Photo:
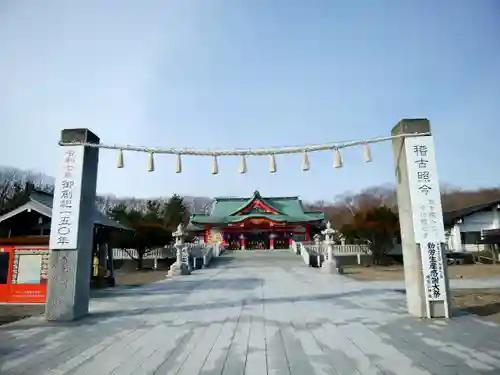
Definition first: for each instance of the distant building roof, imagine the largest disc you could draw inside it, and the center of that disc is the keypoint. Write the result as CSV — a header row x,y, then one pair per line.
x,y
234,210
451,217
42,202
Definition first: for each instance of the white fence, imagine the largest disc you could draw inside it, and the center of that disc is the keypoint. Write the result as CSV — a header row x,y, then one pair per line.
x,y
304,254
197,250
343,250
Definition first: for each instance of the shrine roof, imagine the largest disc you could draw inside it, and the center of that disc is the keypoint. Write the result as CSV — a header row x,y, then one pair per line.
x,y
194,228
281,209
42,203
451,217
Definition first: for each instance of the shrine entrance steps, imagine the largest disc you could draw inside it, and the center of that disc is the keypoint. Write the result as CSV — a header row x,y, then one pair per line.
x,y
257,258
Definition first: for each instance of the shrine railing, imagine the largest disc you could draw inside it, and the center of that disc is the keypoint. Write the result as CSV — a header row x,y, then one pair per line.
x,y
196,249
304,253
345,250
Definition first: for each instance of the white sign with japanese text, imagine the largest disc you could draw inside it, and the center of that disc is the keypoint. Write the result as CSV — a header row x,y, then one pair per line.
x,y
67,192
428,225
29,269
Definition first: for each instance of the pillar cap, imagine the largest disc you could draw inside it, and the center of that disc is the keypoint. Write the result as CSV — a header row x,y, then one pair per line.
x,y
79,135
417,125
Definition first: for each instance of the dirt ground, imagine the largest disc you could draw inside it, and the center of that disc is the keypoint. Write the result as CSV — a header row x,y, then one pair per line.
x,y
482,302
140,277
11,313
465,271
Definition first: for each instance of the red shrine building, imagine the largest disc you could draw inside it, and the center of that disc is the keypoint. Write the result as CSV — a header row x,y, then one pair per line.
x,y
24,249
255,223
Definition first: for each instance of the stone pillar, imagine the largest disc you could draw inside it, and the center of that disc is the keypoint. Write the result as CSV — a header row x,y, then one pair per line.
x,y
421,220
72,228
111,265
103,261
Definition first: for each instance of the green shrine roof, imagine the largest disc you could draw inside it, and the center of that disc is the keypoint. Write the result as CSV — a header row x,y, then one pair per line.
x,y
235,210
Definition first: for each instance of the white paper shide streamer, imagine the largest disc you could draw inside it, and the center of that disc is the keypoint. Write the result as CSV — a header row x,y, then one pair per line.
x,y
367,155
215,165
305,162
178,164
272,163
119,162
337,159
151,162
243,164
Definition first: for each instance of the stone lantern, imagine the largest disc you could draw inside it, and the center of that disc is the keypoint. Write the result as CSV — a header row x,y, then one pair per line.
x,y
329,265
317,239
179,267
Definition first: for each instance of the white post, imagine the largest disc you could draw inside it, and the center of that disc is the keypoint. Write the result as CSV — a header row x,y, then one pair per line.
x,y
496,217
421,220
457,237
359,258
329,265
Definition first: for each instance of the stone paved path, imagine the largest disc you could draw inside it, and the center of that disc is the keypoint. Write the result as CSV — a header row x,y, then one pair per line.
x,y
252,313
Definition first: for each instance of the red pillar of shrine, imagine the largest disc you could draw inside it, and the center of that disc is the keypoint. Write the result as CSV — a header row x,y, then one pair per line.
x,y
308,232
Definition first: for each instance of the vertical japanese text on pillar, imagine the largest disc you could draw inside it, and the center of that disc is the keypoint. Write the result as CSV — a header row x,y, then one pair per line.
x,y
66,206
427,212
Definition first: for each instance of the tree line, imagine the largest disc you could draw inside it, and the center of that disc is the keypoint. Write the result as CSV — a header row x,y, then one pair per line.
x,y
151,222
369,216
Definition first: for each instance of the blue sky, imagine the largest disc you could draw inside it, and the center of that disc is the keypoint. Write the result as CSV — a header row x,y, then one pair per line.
x,y
251,73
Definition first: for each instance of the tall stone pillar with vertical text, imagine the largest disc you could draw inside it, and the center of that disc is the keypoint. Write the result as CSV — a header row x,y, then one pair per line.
x,y
72,228
421,220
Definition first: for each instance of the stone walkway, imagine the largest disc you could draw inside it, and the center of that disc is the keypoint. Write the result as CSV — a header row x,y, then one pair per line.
x,y
252,313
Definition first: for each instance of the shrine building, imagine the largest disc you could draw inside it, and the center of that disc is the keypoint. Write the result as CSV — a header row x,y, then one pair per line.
x,y
24,249
255,223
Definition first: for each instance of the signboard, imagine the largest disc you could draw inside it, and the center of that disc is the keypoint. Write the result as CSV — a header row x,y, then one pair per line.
x,y
29,269
427,213
67,192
